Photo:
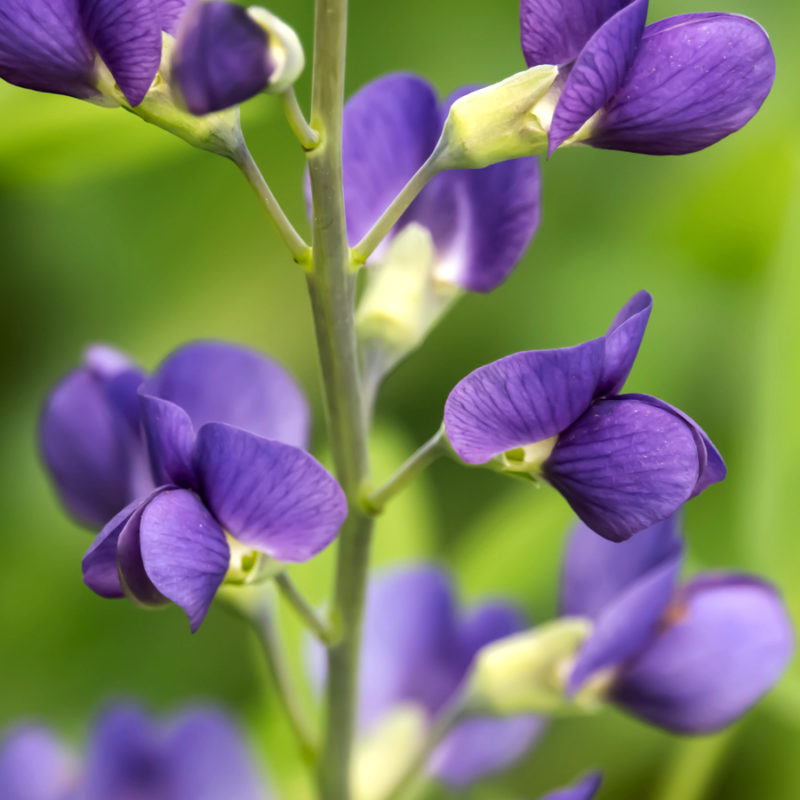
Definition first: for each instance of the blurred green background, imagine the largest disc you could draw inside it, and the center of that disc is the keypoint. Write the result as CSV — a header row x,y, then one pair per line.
x,y
112,231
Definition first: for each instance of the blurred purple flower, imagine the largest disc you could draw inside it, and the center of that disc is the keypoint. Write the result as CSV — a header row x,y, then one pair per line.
x,y
584,790
622,461
690,658
481,221
674,87
91,440
53,45
198,756
225,428
417,649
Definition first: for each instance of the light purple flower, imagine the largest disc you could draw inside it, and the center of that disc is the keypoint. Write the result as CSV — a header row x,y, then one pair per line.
x,y
691,657
53,45
90,437
197,756
417,649
673,87
586,789
225,429
481,221
622,461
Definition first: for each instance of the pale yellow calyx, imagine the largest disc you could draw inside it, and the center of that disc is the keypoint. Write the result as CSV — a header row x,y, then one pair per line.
x,y
530,458
246,565
383,756
500,122
284,50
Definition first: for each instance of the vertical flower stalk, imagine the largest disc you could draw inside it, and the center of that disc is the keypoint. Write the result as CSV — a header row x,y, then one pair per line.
x,y
332,290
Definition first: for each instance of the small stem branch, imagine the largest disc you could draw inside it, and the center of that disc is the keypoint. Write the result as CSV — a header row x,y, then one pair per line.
x,y
364,249
306,135
299,249
313,621
413,777
436,447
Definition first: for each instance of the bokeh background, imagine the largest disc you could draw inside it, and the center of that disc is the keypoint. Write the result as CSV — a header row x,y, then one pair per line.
x,y
112,231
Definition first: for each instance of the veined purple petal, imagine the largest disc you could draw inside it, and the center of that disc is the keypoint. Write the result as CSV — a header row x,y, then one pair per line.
x,y
184,551
622,342
221,382
597,572
170,440
43,47
521,399
221,57
99,564
390,128
712,467
411,647
89,444
696,79
625,465
585,790
726,643
599,71
34,765
555,31
628,623
169,12
480,747
209,759
127,35
269,495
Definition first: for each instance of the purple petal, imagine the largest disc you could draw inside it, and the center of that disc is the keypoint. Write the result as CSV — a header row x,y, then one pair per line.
x,y
43,47
221,382
221,57
727,643
599,71
597,572
712,467
99,565
411,649
480,747
390,128
127,35
88,443
622,342
625,465
34,766
696,79
209,759
269,495
521,399
585,790
555,31
169,12
482,221
184,551
170,440
628,623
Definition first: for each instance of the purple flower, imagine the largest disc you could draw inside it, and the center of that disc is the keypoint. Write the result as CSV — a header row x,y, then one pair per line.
x,y
91,439
480,221
226,54
585,790
417,649
691,657
224,428
53,45
197,756
673,87
622,461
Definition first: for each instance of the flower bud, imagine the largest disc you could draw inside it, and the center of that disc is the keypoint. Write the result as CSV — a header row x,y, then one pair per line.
x,y
527,673
285,50
507,120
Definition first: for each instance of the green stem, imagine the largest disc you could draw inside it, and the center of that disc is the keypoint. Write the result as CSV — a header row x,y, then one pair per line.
x,y
299,249
332,290
436,447
364,249
313,621
306,135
